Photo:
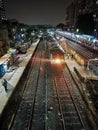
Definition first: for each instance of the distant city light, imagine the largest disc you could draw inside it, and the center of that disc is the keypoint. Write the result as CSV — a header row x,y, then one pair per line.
x,y
77,30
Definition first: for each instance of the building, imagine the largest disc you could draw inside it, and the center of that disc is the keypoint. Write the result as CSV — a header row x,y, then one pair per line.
x,y
3,30
95,16
77,8
2,11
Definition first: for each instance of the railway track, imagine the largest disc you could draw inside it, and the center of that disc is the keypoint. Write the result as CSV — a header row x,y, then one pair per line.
x,y
27,110
30,107
33,106
71,112
81,49
33,96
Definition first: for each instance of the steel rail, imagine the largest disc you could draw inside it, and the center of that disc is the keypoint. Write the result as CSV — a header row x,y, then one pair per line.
x,y
46,104
62,84
60,106
76,107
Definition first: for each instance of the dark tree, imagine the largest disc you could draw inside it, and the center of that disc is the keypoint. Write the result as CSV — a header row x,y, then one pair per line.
x,y
61,26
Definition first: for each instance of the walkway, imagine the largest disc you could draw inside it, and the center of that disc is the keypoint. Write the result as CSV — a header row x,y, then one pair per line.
x,y
88,74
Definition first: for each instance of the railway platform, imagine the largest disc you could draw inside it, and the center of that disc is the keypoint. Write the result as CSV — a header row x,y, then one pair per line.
x,y
85,73
12,77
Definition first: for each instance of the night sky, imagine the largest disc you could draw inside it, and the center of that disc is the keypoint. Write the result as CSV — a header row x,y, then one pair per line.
x,y
36,12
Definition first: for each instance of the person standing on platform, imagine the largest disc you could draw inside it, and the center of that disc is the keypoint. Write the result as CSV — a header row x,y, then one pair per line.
x,y
5,84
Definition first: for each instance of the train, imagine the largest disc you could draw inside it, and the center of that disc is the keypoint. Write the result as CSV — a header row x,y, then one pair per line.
x,y
56,52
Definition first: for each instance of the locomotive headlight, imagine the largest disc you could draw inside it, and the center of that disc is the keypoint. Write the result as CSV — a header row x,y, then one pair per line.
x,y
58,61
